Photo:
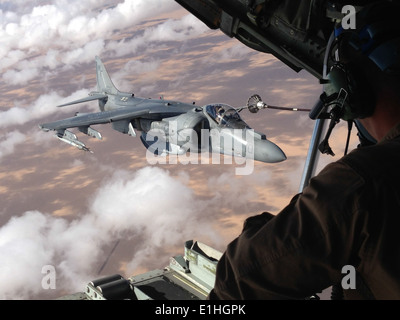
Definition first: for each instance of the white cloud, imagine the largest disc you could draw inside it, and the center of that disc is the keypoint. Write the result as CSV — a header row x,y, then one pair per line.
x,y
12,139
75,30
42,107
176,30
24,249
238,51
14,77
84,54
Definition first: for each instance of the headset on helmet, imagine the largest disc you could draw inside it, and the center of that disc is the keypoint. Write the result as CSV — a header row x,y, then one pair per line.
x,y
351,53
375,41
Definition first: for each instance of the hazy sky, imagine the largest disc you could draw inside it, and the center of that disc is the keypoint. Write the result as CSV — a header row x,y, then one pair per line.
x,y
67,208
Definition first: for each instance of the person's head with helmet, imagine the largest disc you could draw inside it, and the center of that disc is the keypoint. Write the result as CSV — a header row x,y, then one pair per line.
x,y
366,63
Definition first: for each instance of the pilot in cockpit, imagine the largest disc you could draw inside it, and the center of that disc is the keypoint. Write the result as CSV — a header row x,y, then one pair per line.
x,y
219,113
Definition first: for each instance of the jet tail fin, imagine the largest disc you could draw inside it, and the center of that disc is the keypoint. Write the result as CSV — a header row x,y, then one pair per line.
x,y
104,83
104,87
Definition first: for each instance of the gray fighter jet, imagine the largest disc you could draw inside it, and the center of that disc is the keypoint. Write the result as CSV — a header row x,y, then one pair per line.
x,y
167,127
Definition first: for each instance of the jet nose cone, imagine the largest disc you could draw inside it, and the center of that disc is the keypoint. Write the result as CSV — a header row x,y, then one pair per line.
x,y
267,151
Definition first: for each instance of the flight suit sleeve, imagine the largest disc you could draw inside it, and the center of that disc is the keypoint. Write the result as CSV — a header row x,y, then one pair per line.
x,y
301,250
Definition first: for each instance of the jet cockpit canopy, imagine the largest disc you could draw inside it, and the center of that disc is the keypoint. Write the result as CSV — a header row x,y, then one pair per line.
x,y
225,116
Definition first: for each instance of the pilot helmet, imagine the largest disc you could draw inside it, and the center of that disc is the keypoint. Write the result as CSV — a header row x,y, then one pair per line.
x,y
366,57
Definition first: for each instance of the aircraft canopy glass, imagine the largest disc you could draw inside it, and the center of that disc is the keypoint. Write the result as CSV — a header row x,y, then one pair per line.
x,y
225,116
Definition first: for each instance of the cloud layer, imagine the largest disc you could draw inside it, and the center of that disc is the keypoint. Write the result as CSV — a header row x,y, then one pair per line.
x,y
151,208
69,33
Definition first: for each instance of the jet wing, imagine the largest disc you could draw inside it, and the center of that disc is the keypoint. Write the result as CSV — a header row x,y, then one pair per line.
x,y
120,119
88,119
